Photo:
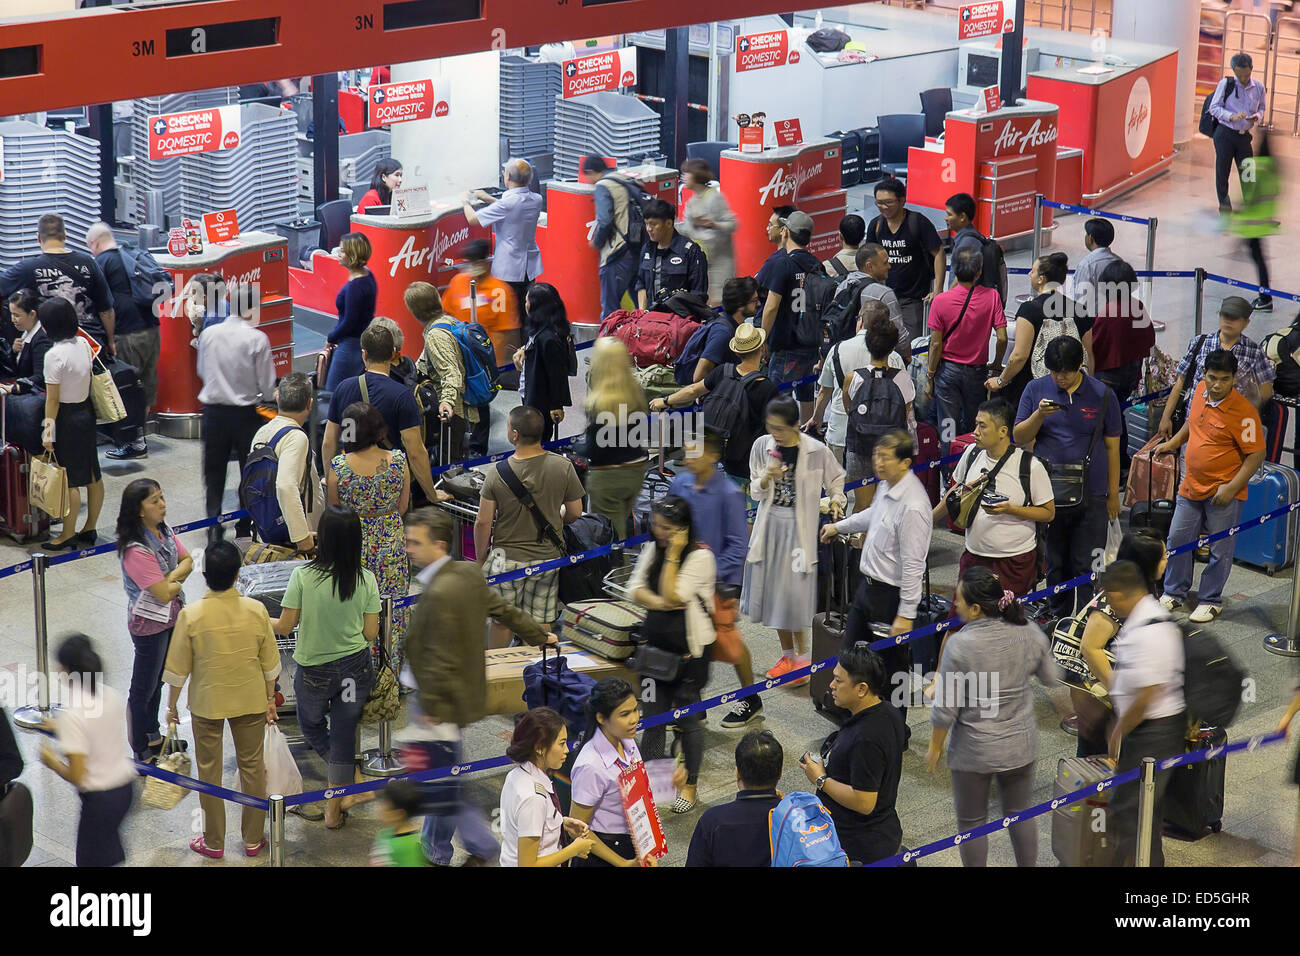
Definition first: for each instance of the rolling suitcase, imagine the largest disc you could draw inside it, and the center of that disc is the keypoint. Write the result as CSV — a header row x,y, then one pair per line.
x,y
1080,829
604,627
1193,805
927,450
18,518
1270,545
1137,421
850,156
829,626
870,157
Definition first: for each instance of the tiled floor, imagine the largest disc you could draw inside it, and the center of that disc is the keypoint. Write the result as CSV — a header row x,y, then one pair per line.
x,y
1259,822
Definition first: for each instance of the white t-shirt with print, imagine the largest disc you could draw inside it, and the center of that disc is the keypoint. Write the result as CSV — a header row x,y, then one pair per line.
x,y
1004,536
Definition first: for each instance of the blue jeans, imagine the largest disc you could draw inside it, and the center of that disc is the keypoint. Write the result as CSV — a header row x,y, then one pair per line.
x,y
1189,517
330,699
958,392
790,365
475,834
616,277
145,695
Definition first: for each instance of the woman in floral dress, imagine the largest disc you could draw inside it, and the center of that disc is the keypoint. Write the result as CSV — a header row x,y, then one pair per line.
x,y
376,484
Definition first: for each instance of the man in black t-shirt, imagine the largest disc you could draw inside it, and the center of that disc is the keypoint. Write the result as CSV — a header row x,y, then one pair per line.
x,y
58,271
783,277
916,261
859,780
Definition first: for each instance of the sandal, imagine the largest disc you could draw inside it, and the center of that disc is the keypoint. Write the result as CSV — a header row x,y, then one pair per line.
x,y
201,848
254,850
343,818
308,811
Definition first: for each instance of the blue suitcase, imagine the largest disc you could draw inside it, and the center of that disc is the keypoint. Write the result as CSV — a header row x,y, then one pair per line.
x,y
1269,545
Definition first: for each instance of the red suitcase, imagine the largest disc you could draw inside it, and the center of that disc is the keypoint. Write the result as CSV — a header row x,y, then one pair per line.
x,y
927,450
18,518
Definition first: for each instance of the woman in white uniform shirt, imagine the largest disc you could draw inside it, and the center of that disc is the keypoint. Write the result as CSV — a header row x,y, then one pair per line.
x,y
532,825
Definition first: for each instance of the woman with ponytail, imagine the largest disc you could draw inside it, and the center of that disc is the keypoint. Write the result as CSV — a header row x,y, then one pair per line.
x,y
608,748
983,698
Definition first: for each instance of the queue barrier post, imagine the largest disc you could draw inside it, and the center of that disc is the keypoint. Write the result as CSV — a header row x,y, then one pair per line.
x,y
33,718
381,762
1152,223
1199,296
277,829
1038,226
1146,811
1288,644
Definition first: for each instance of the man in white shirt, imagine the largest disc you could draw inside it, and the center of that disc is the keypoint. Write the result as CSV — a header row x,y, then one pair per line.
x,y
516,259
237,370
1147,693
297,481
1098,234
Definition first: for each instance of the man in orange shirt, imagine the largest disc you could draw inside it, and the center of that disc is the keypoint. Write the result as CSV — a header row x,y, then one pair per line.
x,y
1225,446
496,312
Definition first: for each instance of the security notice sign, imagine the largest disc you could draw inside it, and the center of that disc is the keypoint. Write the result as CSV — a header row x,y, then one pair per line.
x,y
985,19
220,226
760,51
599,73
403,102
198,131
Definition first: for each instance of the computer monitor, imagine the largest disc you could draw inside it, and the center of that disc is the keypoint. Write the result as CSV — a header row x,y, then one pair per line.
x,y
979,65
379,211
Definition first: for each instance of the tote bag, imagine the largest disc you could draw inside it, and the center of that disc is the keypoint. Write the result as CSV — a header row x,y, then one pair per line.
x,y
103,392
47,485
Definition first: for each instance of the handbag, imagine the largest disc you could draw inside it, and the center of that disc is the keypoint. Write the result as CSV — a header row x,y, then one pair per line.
x,y
47,485
656,663
104,395
963,501
384,702
1070,480
163,794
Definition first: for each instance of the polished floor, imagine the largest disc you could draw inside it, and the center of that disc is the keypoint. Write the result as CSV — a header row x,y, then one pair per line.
x,y
1259,822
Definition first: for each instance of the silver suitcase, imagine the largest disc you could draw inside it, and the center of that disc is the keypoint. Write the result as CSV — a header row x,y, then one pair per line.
x,y
1081,830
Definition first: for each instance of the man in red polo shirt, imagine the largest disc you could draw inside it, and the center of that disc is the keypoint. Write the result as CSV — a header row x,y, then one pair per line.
x,y
1225,446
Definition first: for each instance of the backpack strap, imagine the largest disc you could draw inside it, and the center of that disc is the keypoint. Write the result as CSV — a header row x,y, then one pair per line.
x,y
545,530
1026,462
834,263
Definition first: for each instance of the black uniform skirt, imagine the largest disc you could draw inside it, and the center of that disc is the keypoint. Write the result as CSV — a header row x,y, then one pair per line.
x,y
76,443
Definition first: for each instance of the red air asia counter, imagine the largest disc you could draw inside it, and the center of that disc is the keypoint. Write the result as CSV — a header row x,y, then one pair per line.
x,y
253,257
805,176
1000,158
424,248
568,260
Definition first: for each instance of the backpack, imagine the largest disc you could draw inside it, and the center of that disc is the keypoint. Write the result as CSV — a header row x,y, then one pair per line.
x,y
1209,125
801,833
993,275
482,381
1049,330
257,490
878,407
1189,382
726,408
636,199
841,317
693,350
838,267
550,683
816,290
1280,347
828,40
1212,680
652,338
147,279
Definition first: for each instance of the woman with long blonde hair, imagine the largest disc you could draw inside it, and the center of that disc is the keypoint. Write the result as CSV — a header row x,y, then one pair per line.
x,y
617,434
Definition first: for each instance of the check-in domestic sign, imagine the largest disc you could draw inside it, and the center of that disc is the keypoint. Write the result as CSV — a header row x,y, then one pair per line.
x,y
599,72
196,131
405,102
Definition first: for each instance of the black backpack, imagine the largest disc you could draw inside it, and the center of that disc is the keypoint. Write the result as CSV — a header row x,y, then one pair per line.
x,y
1189,387
1212,680
841,317
1287,383
726,408
148,279
1209,124
993,274
877,408
812,300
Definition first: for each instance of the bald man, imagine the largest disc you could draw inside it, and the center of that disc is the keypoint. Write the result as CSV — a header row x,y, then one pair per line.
x,y
513,218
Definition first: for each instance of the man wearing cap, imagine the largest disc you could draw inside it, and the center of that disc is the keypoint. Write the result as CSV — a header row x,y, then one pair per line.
x,y
782,276
1255,373
513,219
670,263
613,234
747,347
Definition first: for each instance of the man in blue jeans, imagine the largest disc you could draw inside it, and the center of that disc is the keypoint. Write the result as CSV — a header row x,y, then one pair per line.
x,y
782,277
1225,446
444,654
617,235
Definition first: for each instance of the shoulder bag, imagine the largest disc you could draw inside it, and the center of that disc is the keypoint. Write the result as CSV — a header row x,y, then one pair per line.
x,y
963,501
545,530
1070,480
104,395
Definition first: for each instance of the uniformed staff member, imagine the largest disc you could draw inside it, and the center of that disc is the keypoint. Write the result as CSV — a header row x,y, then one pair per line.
x,y
670,263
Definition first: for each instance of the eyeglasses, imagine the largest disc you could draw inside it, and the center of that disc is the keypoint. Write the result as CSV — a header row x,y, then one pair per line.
x,y
886,202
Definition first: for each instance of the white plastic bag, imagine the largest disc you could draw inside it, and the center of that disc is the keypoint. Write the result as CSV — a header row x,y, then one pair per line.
x,y
282,774
1114,532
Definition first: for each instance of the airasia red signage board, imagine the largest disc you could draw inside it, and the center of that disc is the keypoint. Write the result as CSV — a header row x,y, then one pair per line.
x,y
391,103
992,99
788,133
985,19
599,72
221,226
761,51
198,131
1025,134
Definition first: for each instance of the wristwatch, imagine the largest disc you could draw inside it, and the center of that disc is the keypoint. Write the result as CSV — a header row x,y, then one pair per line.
x,y
821,782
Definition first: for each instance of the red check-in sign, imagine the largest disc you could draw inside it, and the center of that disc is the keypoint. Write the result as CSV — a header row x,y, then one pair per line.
x,y
405,102
198,131
985,19
221,226
761,51
599,72
788,133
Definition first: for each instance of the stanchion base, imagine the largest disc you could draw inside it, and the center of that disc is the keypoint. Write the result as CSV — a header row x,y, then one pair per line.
x,y
376,764
1282,645
31,718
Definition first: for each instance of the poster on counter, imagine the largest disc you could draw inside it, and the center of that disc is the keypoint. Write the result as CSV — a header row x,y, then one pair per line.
x,y
391,103
985,19
992,99
220,226
197,131
599,72
788,132
411,202
762,51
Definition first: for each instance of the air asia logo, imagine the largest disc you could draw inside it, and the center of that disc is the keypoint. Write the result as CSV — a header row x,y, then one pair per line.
x,y
409,258
794,56
780,185
1015,140
230,140
441,109
1138,124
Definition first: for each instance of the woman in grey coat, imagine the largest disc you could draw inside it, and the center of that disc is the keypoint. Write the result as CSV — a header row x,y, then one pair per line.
x,y
983,698
710,222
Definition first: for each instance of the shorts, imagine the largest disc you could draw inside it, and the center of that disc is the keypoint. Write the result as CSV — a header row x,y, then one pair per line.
x,y
790,365
857,467
537,595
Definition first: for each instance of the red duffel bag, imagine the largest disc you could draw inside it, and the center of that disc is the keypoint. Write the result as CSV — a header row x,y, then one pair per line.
x,y
652,338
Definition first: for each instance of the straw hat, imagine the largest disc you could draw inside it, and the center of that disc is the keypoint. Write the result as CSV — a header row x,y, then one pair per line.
x,y
748,339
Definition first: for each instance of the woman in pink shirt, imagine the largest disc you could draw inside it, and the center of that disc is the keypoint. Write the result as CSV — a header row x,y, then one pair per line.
x,y
608,748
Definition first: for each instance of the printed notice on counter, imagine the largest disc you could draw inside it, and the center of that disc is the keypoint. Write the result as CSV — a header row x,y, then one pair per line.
x,y
751,139
599,72
761,51
411,202
221,226
983,20
992,99
403,102
788,132
198,131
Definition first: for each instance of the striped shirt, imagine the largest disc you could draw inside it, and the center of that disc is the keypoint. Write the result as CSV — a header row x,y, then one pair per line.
x,y
1253,367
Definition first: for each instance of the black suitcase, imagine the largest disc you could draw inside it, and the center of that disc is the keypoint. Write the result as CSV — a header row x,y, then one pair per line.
x,y
828,629
586,581
129,386
1193,805
869,166
850,156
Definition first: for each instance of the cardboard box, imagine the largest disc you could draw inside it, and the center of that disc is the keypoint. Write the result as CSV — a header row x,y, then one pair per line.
x,y
505,673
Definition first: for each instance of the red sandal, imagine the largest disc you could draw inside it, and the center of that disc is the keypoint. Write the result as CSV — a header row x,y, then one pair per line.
x,y
254,850
201,848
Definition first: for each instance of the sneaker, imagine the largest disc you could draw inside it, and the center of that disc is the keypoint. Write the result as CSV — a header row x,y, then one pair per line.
x,y
135,449
1263,304
1205,613
784,666
750,708
1170,603
799,681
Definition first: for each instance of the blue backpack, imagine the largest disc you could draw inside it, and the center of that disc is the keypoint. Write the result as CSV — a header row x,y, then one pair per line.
x,y
550,683
801,833
482,380
693,350
257,490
